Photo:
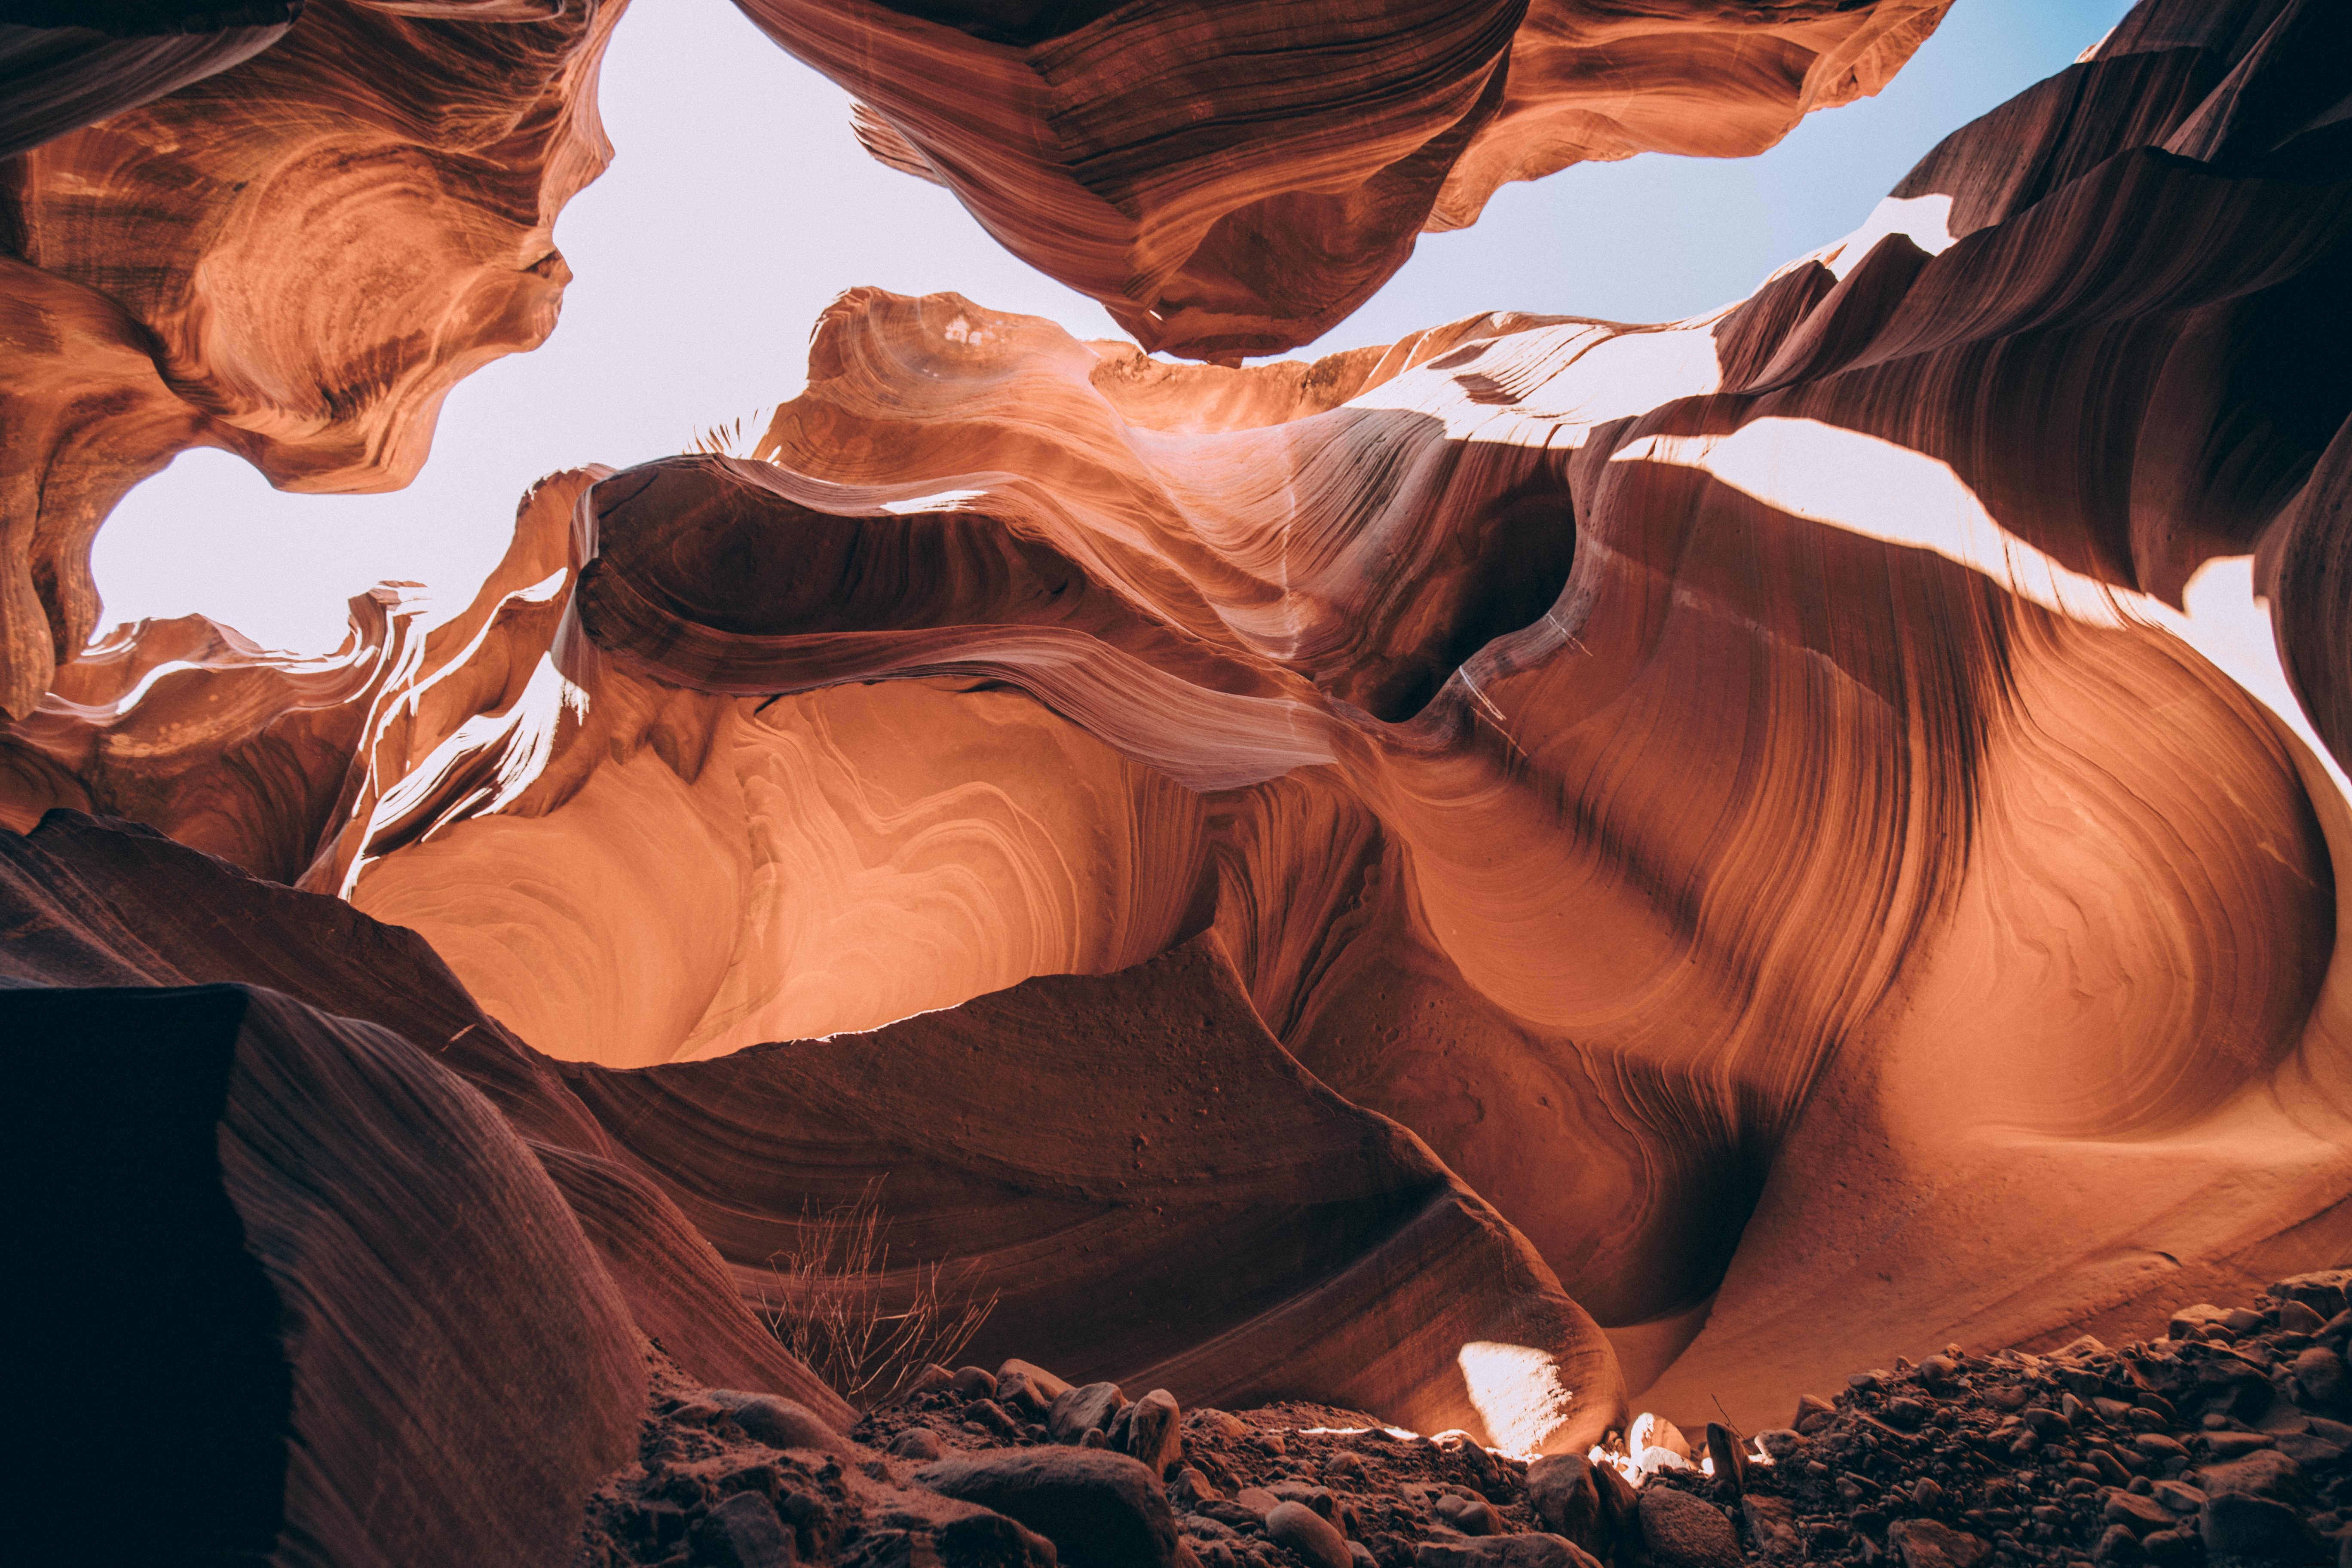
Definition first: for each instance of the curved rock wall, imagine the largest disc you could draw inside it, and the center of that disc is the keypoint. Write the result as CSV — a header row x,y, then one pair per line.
x,y
1235,179
1296,874
295,258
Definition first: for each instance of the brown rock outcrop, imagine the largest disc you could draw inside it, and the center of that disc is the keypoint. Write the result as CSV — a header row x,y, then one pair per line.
x,y
317,1265
67,64
1235,179
295,258
1183,1206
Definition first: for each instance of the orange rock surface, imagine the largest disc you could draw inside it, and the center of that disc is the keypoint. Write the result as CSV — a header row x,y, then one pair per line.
x,y
1235,179
295,259
1546,860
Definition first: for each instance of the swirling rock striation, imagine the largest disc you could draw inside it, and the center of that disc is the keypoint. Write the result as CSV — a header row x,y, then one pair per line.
x,y
1235,179
63,67
1714,822
1186,1208
295,258
322,1266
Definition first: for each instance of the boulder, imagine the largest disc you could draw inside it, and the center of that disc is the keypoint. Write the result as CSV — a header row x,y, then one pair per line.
x,y
1100,1509
2319,1372
2235,1525
1470,1516
1027,1384
1155,1431
1567,1499
2141,1515
777,1423
743,1531
1923,1543
1531,1549
1771,1528
2264,1472
1683,1531
918,1443
1077,1411
1307,1535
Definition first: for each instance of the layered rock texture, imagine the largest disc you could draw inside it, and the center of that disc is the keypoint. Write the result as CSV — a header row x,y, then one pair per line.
x,y
1460,880
1232,180
294,259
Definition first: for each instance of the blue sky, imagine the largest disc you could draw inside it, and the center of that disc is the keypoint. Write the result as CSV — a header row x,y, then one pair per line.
x,y
740,203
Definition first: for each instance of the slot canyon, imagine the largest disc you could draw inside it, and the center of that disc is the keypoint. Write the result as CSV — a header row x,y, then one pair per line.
x,y
1556,943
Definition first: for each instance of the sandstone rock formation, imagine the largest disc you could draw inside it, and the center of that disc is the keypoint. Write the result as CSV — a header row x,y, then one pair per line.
x,y
1323,880
1235,179
295,259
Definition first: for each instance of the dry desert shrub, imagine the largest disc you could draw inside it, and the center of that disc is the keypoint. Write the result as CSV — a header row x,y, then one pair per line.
x,y
834,1304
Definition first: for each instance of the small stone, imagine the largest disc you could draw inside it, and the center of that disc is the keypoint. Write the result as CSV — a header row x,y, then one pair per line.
x,y
1016,1389
1155,1431
918,1443
743,1532
2170,1546
1300,1529
2266,1472
1530,1550
2239,1321
1812,1412
1781,1442
1925,1543
2159,1446
2320,1375
1077,1409
1470,1516
1567,1499
1772,1528
2322,1291
2236,1526
2046,1423
779,1423
2179,1496
1730,1464
1926,1496
2116,1544
2142,1514
932,1378
2111,1469
2294,1318
974,1383
1683,1531
1092,1437
2187,1321
1220,1425
1257,1500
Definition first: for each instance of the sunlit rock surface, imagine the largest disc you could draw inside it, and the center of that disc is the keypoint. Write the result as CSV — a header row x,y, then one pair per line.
x,y
295,259
1235,179
1467,878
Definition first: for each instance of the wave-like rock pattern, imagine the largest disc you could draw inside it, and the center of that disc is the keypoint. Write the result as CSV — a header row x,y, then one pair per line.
x,y
295,259
1732,789
63,67
328,1270
1157,1190
1235,179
